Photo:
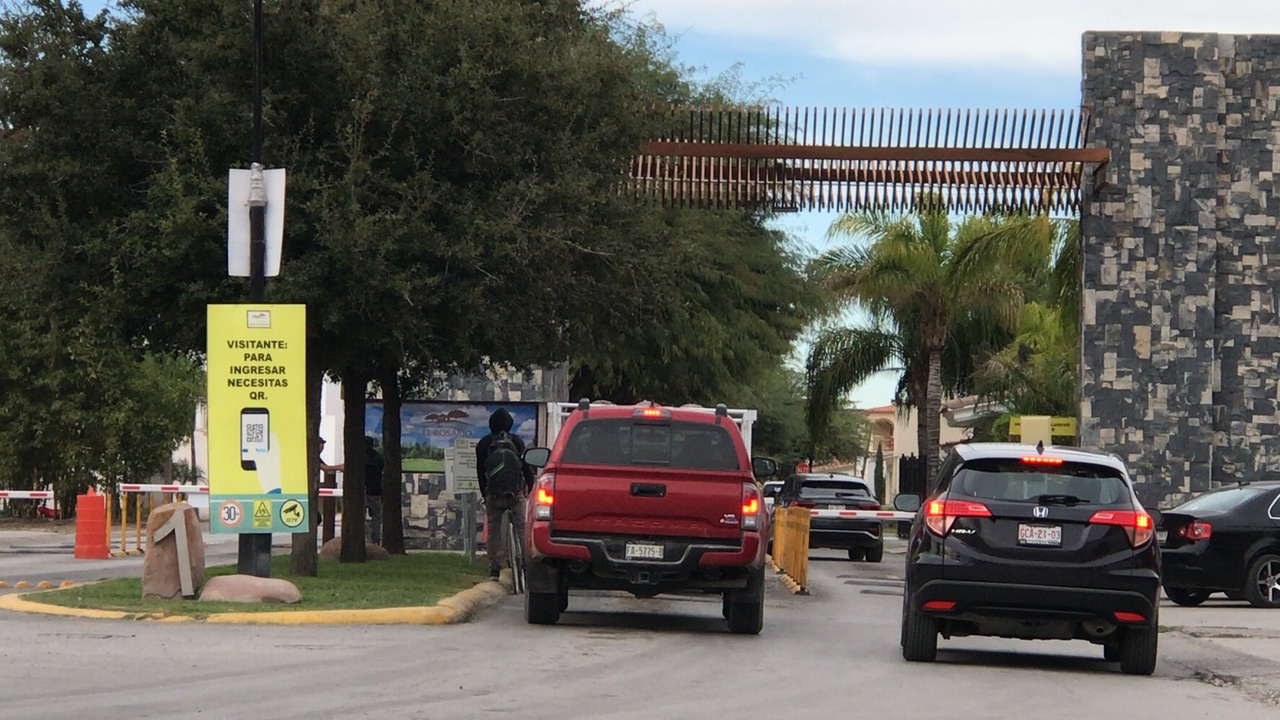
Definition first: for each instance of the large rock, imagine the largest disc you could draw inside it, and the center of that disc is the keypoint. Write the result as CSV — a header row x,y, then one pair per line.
x,y
160,569
250,589
333,549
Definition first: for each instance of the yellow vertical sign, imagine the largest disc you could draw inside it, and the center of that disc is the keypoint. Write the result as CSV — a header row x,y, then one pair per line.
x,y
257,411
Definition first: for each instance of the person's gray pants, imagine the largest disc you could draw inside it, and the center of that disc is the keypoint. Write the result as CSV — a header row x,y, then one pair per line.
x,y
373,503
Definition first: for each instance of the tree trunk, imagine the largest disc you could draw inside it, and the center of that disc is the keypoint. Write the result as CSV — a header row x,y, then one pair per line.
x,y
933,405
353,542
303,558
922,431
392,477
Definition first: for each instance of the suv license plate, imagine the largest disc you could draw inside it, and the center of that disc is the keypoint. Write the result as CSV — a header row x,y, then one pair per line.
x,y
1161,536
643,551
1047,535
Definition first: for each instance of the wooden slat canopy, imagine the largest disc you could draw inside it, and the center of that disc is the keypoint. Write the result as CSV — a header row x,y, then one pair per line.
x,y
841,160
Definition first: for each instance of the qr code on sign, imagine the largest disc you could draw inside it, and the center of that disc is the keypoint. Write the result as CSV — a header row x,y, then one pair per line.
x,y
254,433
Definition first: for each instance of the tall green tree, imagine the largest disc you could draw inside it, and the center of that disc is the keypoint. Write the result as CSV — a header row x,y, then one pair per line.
x,y
780,430
720,314
82,402
925,277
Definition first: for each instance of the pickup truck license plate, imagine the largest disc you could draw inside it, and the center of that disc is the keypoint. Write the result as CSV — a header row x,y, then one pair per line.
x,y
643,551
1047,535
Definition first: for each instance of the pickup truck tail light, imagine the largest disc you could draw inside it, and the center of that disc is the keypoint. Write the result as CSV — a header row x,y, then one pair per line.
x,y
1137,524
940,514
544,497
750,506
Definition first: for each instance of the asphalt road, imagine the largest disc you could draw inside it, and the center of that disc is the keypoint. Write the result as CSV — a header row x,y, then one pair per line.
x,y
833,653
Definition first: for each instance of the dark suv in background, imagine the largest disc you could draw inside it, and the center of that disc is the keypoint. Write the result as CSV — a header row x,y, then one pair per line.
x,y
827,495
1033,542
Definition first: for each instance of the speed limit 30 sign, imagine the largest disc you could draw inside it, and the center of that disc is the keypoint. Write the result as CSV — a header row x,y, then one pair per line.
x,y
230,513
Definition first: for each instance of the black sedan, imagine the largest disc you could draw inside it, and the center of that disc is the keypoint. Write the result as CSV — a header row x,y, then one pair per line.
x,y
1226,540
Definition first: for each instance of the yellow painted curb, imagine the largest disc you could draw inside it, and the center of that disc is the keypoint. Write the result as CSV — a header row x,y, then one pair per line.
x,y
18,604
458,608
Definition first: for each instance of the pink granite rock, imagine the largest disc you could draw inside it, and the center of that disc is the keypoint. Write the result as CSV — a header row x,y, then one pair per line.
x,y
250,589
332,549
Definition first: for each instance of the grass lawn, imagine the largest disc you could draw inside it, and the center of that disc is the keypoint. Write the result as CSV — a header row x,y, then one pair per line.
x,y
421,465
417,579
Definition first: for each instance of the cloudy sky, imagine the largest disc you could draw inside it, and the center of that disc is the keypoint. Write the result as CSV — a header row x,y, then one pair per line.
x,y
922,54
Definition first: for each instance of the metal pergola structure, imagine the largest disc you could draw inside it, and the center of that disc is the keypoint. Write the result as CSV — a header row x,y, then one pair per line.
x,y
788,159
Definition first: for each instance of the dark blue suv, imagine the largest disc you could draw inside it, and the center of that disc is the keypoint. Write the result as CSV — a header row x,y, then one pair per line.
x,y
1033,542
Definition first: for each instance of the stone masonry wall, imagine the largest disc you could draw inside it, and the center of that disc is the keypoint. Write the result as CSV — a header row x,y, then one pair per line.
x,y
1180,334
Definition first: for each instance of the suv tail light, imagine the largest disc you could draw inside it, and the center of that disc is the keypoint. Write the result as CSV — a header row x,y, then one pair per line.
x,y
1195,530
544,496
804,504
940,514
750,506
1137,524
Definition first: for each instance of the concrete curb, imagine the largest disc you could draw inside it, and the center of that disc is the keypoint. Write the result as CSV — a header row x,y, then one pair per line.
x,y
459,608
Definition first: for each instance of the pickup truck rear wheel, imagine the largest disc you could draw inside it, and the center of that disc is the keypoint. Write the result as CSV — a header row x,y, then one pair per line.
x,y
744,609
542,608
746,618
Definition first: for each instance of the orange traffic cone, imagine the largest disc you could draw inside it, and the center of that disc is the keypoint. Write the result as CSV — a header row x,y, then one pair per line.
x,y
91,526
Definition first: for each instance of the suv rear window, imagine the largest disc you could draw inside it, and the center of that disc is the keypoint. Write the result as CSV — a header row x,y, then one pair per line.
x,y
678,444
1015,481
833,487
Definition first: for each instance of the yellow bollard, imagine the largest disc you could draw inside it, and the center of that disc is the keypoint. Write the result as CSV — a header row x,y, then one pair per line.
x,y
801,574
124,520
137,524
110,517
791,546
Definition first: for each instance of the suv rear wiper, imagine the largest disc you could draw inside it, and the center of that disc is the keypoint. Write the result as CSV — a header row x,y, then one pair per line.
x,y
1060,500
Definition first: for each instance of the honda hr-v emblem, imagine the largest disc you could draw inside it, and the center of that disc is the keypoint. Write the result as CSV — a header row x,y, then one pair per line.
x,y
1040,511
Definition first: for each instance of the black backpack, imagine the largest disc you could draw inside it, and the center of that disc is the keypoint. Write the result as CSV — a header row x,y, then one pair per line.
x,y
503,468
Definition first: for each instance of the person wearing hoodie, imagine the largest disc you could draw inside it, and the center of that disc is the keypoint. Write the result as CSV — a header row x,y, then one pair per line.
x,y
498,500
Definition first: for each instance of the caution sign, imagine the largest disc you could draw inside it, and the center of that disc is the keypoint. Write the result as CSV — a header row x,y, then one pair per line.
x,y
230,513
261,515
292,513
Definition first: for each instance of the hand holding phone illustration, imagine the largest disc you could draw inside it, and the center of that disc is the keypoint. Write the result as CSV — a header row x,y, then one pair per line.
x,y
268,466
259,450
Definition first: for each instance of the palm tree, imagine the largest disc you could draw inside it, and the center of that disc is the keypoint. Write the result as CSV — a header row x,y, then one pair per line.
x,y
925,282
1036,373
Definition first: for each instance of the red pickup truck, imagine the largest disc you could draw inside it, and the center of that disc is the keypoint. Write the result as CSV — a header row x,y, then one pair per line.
x,y
649,500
